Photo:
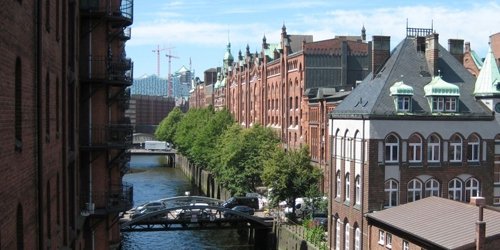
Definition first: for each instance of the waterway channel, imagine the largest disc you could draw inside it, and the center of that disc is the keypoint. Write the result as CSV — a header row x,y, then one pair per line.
x,y
153,182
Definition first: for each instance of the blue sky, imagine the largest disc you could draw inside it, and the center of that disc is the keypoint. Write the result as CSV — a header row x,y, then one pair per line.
x,y
198,30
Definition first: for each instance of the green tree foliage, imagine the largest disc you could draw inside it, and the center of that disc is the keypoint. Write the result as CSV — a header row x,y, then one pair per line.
x,y
239,158
168,126
290,175
188,129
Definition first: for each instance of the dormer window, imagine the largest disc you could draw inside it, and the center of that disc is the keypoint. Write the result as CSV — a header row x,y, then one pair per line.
x,y
442,96
402,94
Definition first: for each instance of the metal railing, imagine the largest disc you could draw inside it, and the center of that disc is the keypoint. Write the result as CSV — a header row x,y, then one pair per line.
x,y
108,136
116,70
123,9
118,198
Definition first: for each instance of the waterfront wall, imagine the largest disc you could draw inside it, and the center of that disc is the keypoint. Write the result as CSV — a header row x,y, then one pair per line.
x,y
292,237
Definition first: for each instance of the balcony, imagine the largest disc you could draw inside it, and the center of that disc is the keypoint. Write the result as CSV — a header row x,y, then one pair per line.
x,y
118,12
122,98
101,70
103,137
118,198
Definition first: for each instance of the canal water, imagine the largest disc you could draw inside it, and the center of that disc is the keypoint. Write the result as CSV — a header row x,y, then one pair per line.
x,y
152,182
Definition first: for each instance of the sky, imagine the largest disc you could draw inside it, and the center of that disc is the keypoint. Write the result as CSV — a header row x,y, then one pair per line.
x,y
196,32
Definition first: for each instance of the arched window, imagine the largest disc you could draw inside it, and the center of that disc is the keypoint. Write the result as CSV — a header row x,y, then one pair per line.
x,y
471,189
347,187
337,235
414,190
391,148
358,190
473,148
347,236
432,188
433,148
415,148
339,184
391,193
19,228
455,189
18,103
296,102
357,238
456,148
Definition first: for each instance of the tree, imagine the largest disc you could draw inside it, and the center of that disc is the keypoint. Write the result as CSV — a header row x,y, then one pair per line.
x,y
188,129
168,126
290,175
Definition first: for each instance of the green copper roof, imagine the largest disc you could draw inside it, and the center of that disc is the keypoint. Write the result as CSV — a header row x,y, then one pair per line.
x,y
228,56
488,81
477,59
439,87
270,50
399,88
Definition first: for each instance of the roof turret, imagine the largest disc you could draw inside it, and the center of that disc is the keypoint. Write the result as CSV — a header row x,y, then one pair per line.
x,y
488,81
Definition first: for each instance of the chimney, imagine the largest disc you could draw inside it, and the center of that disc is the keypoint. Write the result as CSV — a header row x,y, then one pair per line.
x,y
456,49
381,51
432,52
480,223
467,46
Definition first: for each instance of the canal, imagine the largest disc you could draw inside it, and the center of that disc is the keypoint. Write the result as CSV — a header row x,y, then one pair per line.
x,y
153,182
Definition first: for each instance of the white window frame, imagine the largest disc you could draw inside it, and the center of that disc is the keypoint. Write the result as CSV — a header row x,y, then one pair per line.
x,y
433,149
455,189
414,190
393,189
358,190
432,188
357,239
416,149
456,149
472,188
404,103
473,149
437,103
406,245
388,240
381,237
450,104
391,149
337,235
347,187
347,235
339,185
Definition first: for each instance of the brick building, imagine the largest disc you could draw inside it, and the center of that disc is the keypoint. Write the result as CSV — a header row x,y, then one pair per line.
x,y
419,125
146,112
63,79
290,86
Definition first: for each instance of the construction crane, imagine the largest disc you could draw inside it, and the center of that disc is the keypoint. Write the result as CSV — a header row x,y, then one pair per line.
x,y
157,51
170,56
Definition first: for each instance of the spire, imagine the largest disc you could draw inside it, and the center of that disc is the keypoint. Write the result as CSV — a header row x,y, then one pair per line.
x,y
488,81
363,33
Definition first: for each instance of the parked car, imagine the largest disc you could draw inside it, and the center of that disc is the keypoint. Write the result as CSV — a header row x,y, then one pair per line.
x,y
252,202
242,209
188,213
148,207
320,220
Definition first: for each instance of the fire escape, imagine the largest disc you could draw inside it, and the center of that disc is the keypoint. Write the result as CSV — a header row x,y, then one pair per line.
x,y
105,133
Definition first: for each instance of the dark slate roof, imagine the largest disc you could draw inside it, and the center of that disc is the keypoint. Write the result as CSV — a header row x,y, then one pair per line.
x,y
372,97
437,221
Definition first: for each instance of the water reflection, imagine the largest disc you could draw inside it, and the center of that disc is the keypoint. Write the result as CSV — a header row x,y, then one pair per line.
x,y
151,183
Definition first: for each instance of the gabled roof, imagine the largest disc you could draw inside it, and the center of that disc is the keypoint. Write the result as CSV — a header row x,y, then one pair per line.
x,y
372,96
488,81
438,221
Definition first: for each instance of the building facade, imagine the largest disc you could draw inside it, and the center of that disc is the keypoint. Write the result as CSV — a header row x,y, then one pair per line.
x,y
64,137
419,125
291,86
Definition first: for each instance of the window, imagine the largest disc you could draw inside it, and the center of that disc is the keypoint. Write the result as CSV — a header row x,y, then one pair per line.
x,y
415,149
357,239
381,237
18,103
437,103
404,103
339,184
450,104
388,240
432,188
455,189
473,148
358,190
20,228
391,193
337,235
433,149
347,187
406,245
456,149
471,189
391,148
346,234
414,190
